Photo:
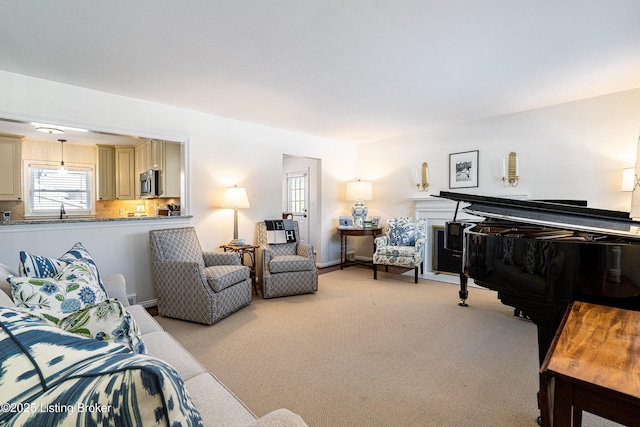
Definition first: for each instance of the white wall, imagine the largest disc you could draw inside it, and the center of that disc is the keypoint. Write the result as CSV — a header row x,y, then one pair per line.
x,y
570,151
221,153
575,150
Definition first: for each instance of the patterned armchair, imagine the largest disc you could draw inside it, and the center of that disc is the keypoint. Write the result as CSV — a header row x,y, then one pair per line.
x,y
192,285
402,245
286,268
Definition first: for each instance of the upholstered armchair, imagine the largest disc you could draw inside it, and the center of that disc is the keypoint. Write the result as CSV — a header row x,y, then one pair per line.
x,y
402,245
286,268
192,285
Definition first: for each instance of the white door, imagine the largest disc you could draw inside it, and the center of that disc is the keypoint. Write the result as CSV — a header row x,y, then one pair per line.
x,y
298,200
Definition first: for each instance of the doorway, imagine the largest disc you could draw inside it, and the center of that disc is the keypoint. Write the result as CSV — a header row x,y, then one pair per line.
x,y
300,190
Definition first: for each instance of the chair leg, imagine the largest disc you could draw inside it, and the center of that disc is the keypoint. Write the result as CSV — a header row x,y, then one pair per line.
x,y
375,271
416,279
386,268
422,267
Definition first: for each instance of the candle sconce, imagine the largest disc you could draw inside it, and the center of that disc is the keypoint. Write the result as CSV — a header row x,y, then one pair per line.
x,y
423,184
510,171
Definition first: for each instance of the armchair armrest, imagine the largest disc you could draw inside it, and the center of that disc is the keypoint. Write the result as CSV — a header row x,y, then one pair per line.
x,y
116,287
265,253
305,250
176,272
220,258
381,241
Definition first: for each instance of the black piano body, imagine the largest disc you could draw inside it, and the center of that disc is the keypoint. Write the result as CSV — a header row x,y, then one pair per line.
x,y
540,256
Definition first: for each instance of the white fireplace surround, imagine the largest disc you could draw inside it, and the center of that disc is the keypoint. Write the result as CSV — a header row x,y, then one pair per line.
x,y
437,211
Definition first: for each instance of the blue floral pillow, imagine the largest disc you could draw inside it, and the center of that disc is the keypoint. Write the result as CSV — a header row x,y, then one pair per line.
x,y
75,287
40,266
105,321
402,235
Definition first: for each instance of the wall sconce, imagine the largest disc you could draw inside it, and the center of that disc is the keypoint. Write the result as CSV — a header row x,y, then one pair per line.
x,y
629,180
423,185
510,172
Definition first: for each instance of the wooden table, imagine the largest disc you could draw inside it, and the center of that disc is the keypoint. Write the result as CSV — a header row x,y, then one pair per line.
x,y
243,250
346,232
593,365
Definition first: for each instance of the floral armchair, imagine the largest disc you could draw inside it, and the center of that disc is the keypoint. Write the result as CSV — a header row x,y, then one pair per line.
x,y
402,245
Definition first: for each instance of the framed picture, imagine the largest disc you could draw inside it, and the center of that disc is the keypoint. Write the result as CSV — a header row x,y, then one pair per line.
x,y
463,169
375,221
345,222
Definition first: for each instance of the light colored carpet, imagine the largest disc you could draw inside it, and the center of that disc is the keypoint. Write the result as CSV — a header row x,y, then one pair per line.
x,y
389,352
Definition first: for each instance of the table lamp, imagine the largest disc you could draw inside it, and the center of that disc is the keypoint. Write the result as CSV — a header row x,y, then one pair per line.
x,y
235,198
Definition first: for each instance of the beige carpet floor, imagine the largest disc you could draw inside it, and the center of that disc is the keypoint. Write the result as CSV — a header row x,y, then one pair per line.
x,y
389,352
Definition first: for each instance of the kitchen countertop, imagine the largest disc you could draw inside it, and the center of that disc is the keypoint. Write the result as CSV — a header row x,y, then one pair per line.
x,y
85,220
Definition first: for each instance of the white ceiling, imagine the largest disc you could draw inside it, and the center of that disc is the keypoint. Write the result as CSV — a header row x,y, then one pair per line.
x,y
354,70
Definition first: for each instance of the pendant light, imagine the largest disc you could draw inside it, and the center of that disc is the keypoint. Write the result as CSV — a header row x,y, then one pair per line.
x,y
62,169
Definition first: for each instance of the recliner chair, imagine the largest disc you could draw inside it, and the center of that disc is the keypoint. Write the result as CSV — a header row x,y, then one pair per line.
x,y
202,287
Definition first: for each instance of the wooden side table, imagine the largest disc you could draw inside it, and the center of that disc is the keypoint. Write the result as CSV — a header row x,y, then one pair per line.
x,y
243,250
346,232
593,365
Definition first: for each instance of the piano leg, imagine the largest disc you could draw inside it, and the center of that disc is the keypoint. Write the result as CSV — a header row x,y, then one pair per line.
x,y
464,293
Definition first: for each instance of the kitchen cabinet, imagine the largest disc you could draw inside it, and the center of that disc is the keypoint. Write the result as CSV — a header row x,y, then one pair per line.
x,y
10,167
165,157
106,172
125,173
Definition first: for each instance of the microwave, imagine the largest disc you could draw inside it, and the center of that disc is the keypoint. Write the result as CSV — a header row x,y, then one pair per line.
x,y
149,183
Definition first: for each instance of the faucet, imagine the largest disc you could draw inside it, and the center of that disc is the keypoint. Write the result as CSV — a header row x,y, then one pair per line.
x,y
62,211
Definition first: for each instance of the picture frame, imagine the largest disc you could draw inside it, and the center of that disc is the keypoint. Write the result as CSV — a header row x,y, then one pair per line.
x,y
463,169
375,221
345,222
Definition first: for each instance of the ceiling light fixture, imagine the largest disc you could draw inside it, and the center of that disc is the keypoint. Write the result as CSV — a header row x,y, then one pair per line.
x,y
62,169
51,130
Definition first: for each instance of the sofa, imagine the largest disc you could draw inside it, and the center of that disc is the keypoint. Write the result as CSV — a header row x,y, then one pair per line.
x,y
217,405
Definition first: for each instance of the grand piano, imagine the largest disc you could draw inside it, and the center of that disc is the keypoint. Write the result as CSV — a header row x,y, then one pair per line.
x,y
541,255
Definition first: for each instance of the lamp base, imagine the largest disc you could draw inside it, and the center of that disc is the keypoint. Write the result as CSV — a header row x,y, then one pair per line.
x,y
359,212
237,242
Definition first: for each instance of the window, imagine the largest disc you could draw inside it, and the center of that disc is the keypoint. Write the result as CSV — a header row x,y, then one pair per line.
x,y
49,190
297,192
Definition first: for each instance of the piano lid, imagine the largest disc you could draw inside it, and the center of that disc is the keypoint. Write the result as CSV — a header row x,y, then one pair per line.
x,y
549,214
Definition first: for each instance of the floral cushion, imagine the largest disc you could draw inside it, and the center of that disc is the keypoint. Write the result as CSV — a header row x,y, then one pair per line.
x,y
85,382
40,266
75,287
402,235
105,321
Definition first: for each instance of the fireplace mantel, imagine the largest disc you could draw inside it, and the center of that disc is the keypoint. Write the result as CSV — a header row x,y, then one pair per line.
x,y
437,211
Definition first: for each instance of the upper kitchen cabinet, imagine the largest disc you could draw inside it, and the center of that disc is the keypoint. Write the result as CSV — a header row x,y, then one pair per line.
x,y
165,157
10,167
125,173
106,172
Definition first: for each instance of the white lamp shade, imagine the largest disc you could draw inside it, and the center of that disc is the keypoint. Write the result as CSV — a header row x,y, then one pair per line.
x,y
628,179
359,190
235,197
